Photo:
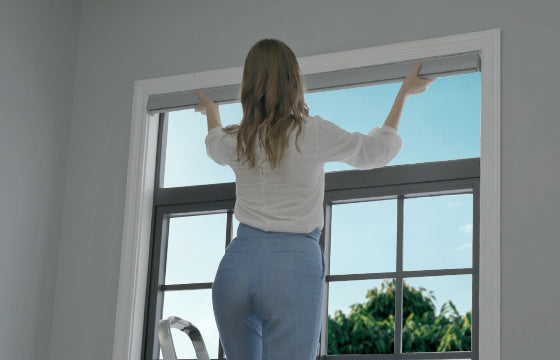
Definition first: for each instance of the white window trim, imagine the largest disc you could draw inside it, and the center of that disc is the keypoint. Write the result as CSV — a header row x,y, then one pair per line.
x,y
129,321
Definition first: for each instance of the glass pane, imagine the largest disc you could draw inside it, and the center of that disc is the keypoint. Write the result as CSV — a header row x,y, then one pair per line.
x,y
364,237
361,317
194,306
443,123
437,232
195,247
437,313
186,161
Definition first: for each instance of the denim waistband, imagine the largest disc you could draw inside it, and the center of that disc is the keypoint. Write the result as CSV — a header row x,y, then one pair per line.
x,y
245,230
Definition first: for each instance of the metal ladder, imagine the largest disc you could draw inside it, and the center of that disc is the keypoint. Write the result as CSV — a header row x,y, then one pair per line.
x,y
166,341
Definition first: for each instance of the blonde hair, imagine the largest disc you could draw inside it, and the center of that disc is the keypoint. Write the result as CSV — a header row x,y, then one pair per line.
x,y
272,99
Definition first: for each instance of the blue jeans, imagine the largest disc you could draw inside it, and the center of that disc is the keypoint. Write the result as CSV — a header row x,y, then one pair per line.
x,y
267,295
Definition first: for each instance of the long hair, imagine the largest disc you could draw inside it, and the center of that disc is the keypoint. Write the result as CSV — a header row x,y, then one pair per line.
x,y
272,100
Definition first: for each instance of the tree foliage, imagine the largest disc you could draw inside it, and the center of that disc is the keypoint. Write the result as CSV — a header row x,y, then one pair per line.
x,y
369,327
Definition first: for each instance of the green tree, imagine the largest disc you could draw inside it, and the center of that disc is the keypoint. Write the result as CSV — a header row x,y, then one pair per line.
x,y
369,328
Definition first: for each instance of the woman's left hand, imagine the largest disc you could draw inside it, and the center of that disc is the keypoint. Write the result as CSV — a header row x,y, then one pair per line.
x,y
204,103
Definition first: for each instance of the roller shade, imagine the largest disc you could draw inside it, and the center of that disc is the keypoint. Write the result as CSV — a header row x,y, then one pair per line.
x,y
379,74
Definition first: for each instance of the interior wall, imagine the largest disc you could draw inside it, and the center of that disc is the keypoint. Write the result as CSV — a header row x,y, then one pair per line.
x,y
122,42
38,51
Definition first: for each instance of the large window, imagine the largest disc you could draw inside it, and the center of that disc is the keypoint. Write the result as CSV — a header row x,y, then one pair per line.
x,y
400,242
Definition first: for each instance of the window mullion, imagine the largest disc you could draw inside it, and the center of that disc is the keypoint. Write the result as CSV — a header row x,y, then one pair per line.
x,y
399,278
156,280
229,227
476,272
326,245
229,237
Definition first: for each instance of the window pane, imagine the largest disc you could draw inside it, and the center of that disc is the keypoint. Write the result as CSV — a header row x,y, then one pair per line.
x,y
364,237
195,247
437,313
443,123
186,161
437,232
361,317
194,306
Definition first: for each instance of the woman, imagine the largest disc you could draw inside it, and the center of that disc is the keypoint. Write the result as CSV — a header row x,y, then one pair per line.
x,y
268,289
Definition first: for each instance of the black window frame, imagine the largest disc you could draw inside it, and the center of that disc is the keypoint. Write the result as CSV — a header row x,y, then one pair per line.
x,y
398,182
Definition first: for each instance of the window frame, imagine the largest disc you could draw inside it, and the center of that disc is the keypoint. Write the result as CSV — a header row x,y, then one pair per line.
x,y
140,190
419,180
390,182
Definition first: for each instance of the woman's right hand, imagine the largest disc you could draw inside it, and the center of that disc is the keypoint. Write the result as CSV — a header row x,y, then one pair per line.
x,y
204,102
414,85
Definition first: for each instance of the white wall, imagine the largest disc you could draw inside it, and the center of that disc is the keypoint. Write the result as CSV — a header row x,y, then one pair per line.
x,y
38,53
121,42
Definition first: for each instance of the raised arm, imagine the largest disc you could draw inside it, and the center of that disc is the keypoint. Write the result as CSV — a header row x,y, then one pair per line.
x,y
412,85
380,145
207,107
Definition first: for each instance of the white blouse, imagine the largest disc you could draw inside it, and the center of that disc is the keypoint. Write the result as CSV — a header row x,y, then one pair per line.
x,y
290,197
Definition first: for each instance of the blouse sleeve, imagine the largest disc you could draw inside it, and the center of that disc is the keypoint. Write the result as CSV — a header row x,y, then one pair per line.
x,y
376,149
216,146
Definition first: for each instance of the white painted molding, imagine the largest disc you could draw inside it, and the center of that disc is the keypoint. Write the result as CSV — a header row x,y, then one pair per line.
x,y
141,171
136,230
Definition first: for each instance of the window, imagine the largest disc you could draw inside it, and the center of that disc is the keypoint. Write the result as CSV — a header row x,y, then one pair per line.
x,y
406,227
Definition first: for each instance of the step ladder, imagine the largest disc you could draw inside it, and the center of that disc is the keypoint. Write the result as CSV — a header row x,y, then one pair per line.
x,y
166,341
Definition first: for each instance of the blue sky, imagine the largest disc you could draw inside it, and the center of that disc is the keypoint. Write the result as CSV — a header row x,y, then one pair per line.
x,y
443,123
